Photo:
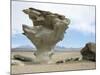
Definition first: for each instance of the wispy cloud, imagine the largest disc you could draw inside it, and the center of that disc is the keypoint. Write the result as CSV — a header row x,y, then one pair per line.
x,y
83,28
83,20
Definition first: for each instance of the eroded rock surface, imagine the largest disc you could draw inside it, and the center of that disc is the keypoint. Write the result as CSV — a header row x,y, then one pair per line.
x,y
47,30
89,52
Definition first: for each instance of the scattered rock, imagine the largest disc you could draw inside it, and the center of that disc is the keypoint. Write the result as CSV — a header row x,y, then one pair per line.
x,y
67,60
89,52
16,62
76,59
22,58
72,59
60,61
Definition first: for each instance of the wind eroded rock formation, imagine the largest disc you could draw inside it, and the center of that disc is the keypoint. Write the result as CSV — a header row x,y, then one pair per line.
x,y
47,30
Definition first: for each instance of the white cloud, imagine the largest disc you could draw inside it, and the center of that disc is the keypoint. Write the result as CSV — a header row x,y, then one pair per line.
x,y
83,20
84,28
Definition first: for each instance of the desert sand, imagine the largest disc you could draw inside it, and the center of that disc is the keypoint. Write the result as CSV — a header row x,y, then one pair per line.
x,y
23,68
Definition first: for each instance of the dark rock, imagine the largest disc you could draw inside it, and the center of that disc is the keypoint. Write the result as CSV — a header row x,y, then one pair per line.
x,y
67,60
72,59
60,61
89,52
22,58
76,59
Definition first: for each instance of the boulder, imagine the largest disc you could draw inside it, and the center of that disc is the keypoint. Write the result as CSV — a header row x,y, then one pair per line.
x,y
59,62
89,52
22,58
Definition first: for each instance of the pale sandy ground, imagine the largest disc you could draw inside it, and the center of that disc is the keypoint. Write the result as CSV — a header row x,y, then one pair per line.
x,y
69,66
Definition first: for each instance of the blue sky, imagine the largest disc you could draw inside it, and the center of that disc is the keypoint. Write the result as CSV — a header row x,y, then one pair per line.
x,y
81,29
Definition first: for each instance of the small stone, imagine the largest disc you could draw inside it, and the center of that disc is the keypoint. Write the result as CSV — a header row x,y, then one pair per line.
x,y
60,61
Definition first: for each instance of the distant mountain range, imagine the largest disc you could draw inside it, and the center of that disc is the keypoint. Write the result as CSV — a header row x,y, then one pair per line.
x,y
58,48
30,48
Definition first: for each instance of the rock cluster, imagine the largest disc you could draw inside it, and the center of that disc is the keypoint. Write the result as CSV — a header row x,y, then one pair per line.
x,y
76,59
